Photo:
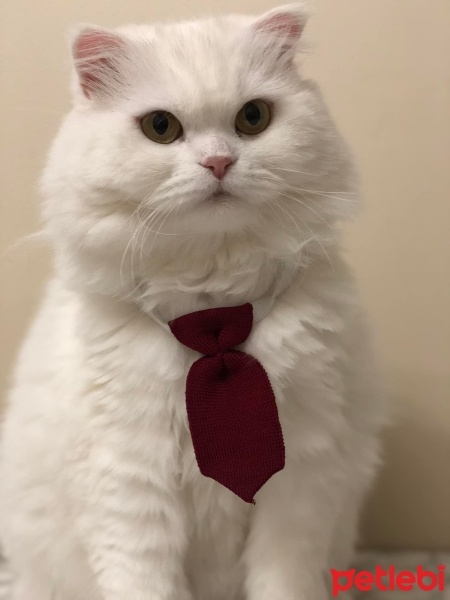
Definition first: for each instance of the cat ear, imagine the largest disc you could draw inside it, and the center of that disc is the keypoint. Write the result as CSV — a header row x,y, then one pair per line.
x,y
282,27
96,54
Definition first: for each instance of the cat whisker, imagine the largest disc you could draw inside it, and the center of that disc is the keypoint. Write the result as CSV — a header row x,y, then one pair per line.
x,y
273,205
289,215
272,202
330,193
133,243
324,193
285,194
129,243
316,238
300,202
273,167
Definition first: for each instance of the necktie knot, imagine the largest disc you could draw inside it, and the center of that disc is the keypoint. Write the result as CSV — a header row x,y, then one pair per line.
x,y
214,330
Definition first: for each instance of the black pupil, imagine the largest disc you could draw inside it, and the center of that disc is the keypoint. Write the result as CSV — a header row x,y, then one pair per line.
x,y
252,113
160,123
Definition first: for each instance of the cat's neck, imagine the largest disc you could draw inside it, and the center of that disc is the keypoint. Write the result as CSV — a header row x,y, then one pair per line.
x,y
225,272
183,277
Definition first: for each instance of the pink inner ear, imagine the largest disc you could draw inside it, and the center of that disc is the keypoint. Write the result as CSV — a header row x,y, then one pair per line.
x,y
283,25
93,51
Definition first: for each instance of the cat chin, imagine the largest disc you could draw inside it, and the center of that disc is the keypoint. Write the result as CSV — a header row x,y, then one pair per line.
x,y
223,213
218,198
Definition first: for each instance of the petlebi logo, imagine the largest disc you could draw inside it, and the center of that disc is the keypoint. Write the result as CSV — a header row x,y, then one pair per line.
x,y
388,580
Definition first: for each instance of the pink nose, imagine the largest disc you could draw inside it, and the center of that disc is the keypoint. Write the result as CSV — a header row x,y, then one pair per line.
x,y
218,165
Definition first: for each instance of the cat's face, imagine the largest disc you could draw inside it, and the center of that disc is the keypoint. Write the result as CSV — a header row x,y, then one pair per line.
x,y
192,129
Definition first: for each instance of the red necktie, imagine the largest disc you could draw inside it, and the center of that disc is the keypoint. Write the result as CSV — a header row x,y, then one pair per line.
x,y
230,403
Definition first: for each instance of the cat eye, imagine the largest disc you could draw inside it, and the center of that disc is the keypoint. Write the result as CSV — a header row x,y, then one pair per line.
x,y
253,117
161,127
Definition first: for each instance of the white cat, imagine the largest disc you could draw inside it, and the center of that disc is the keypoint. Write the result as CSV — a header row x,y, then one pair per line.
x,y
196,169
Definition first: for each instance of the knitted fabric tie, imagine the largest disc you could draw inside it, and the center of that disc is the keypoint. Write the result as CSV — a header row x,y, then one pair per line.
x,y
230,403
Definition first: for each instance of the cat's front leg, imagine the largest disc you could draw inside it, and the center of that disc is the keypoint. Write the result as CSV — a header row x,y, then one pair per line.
x,y
136,522
292,528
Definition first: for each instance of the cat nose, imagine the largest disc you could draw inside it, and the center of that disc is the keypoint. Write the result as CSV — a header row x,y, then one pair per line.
x,y
218,165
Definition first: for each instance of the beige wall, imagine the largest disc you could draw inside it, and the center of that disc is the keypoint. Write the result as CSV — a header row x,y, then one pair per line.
x,y
384,67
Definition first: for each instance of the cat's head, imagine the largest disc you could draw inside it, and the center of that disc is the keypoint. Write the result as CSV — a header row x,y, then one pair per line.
x,y
185,134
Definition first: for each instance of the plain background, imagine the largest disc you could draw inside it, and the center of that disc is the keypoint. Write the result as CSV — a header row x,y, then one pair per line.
x,y
384,66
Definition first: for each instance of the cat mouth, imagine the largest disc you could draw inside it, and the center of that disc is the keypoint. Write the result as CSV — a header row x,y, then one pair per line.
x,y
220,196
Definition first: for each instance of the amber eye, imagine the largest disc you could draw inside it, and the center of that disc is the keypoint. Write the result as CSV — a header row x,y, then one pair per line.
x,y
161,127
253,117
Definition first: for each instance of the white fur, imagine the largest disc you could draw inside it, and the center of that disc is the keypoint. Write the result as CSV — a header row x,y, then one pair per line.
x,y
102,497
